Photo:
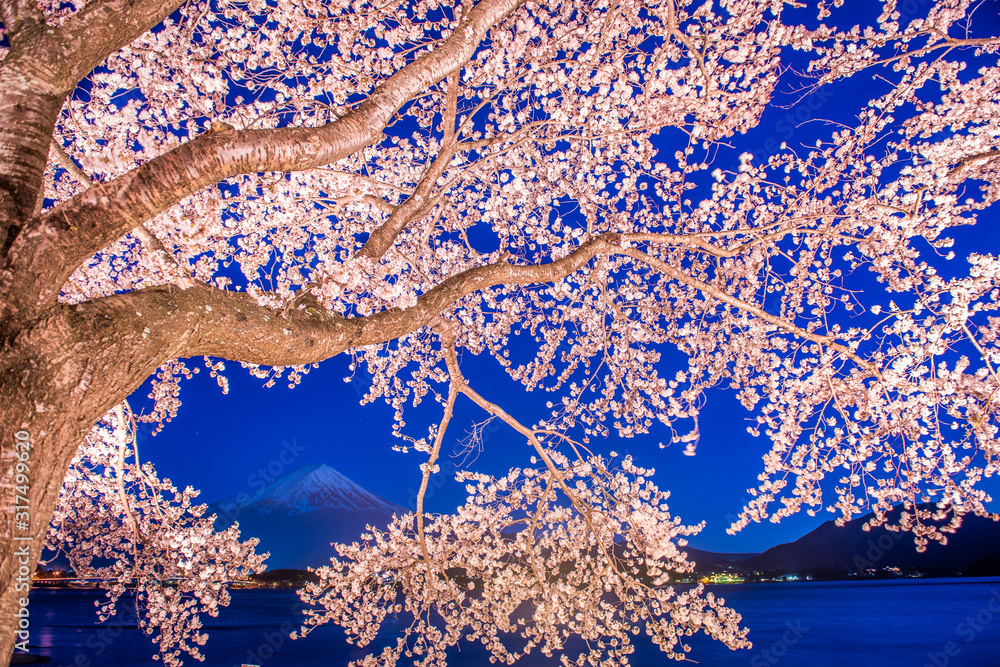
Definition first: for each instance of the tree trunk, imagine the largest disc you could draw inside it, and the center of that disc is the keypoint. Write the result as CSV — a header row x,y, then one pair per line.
x,y
29,105
55,385
63,367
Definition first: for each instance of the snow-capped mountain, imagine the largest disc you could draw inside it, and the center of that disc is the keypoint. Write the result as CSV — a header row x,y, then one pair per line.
x,y
298,515
309,488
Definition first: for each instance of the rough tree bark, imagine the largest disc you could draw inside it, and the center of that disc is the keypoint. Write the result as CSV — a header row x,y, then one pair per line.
x,y
63,367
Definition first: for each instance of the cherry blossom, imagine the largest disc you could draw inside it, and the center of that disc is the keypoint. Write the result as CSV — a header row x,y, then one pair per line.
x,y
277,183
118,523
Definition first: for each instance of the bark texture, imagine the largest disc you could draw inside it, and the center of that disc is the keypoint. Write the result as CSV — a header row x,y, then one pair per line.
x,y
63,367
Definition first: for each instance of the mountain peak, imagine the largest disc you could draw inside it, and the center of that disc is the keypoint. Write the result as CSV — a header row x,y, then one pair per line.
x,y
307,488
298,515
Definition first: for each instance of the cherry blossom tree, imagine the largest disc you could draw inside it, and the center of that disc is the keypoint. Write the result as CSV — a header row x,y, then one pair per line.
x,y
578,549
276,183
117,522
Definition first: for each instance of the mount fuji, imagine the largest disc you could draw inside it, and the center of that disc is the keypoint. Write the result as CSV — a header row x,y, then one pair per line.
x,y
298,515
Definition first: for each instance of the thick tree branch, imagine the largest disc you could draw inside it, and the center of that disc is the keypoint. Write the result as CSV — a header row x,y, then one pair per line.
x,y
101,28
233,325
28,109
203,320
69,233
450,113
18,17
384,237
43,66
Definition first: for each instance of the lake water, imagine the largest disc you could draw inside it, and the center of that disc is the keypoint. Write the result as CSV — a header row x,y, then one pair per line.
x,y
896,623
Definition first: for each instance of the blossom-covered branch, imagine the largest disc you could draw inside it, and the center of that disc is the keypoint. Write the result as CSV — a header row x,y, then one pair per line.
x,y
117,522
559,187
519,586
76,229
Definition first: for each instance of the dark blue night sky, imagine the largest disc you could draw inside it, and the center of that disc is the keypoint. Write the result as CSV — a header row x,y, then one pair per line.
x,y
222,444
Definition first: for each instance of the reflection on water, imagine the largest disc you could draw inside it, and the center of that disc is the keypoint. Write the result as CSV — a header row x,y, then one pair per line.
x,y
900,623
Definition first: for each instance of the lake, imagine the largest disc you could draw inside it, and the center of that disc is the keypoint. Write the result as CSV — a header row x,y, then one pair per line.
x,y
891,623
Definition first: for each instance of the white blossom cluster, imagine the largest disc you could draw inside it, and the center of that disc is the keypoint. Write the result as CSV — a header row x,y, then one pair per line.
x,y
521,115
533,562
568,189
117,522
165,393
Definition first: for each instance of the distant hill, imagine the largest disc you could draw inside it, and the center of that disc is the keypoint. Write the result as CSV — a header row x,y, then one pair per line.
x,y
710,561
282,577
830,550
298,515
